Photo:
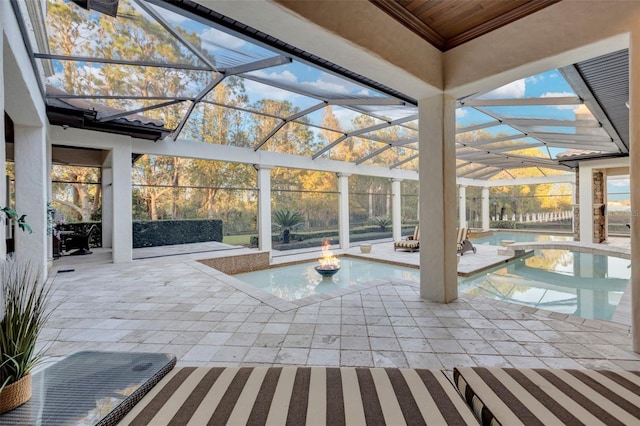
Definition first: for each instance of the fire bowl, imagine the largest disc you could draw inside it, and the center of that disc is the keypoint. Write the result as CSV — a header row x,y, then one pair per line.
x,y
327,273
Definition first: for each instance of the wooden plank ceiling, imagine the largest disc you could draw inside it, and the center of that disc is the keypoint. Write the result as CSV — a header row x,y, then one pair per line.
x,y
450,23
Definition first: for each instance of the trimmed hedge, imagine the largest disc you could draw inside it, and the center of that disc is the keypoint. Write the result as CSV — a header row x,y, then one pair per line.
x,y
317,242
169,232
548,226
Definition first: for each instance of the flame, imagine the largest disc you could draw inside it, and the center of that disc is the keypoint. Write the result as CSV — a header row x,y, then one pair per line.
x,y
328,261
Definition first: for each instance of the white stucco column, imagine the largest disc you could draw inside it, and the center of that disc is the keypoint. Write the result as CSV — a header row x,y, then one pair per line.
x,y
462,205
107,203
48,153
438,276
486,224
343,209
30,153
396,209
3,181
586,203
122,233
264,208
634,175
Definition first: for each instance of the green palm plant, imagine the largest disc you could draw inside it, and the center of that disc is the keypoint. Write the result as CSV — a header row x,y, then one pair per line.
x,y
382,222
24,312
286,220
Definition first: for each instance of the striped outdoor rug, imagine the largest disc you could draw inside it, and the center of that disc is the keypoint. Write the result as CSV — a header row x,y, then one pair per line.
x,y
302,395
523,396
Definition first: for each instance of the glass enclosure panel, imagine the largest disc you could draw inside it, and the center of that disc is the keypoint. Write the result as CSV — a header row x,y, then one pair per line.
x,y
389,112
304,208
223,49
618,205
182,188
549,84
226,126
488,133
392,134
515,143
254,96
409,165
541,206
410,192
340,119
391,156
76,193
535,152
353,149
301,78
558,112
133,36
296,138
82,79
369,208
467,116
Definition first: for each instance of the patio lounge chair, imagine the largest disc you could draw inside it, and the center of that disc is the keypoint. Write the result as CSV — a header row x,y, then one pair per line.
x,y
80,241
412,243
464,245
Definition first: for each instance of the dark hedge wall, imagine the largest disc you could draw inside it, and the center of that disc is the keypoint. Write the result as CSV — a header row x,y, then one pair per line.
x,y
169,232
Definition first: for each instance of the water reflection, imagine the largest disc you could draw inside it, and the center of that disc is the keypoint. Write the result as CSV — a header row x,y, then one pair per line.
x,y
295,282
519,237
581,284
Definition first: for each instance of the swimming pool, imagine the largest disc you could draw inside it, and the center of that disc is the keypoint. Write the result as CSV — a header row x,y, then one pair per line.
x,y
519,237
581,284
294,282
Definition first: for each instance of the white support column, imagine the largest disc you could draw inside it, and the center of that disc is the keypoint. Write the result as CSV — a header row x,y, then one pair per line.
x,y
264,208
107,203
49,198
396,208
30,153
438,276
3,180
634,175
486,224
586,204
462,204
343,209
573,206
122,244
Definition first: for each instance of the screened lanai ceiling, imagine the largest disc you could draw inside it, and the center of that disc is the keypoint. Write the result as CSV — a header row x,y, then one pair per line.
x,y
199,76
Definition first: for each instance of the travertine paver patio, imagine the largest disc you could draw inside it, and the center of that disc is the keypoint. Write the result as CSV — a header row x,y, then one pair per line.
x,y
173,304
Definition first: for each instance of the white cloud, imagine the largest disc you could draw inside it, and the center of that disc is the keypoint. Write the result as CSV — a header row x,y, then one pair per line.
x,y
461,112
561,95
557,95
619,183
534,79
554,75
512,90
285,76
213,39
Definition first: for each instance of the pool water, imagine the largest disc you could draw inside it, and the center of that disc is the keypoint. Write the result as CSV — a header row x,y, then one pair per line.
x,y
297,281
581,284
519,237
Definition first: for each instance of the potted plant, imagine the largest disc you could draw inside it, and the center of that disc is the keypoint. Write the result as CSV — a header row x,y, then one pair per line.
x,y
24,298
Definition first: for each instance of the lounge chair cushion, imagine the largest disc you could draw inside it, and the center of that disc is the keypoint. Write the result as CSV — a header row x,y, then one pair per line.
x,y
407,244
511,396
302,395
